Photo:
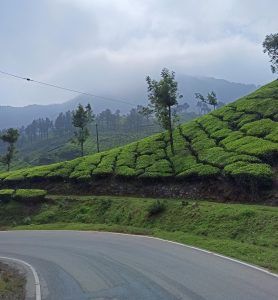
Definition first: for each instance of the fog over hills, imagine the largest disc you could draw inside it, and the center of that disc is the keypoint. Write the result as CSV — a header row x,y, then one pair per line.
x,y
226,92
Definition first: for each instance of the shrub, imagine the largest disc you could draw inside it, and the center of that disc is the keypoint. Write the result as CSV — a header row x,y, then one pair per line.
x,y
29,195
200,170
253,146
261,128
151,144
211,123
16,175
266,107
233,136
38,172
156,208
126,159
221,134
125,171
144,161
247,118
107,163
204,143
47,216
4,175
161,166
184,162
246,170
6,195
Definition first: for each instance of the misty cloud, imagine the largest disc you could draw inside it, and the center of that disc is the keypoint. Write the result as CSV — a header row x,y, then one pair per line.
x,y
108,47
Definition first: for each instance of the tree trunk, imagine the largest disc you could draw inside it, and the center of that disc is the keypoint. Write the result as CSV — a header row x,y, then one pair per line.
x,y
171,129
82,149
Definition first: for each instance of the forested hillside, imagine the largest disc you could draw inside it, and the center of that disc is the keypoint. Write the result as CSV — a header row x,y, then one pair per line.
x,y
225,90
44,141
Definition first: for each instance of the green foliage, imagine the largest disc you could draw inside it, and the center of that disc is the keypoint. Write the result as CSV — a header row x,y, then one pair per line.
x,y
15,175
200,170
22,194
161,168
125,171
156,208
247,118
163,95
210,99
107,163
261,128
29,195
259,173
10,136
6,195
270,46
253,146
81,118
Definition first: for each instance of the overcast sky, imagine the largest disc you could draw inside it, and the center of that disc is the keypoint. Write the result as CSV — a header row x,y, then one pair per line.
x,y
109,46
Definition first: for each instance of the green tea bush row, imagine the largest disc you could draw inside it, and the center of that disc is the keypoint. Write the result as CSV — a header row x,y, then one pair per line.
x,y
252,146
250,171
261,128
22,195
6,195
200,170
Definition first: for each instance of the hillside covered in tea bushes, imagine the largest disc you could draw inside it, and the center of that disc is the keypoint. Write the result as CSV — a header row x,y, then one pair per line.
x,y
237,143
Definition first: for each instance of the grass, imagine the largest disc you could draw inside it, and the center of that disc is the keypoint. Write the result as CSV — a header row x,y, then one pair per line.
x,y
12,283
237,141
246,232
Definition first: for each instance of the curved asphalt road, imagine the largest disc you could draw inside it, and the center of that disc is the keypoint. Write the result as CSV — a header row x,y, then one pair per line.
x,y
86,265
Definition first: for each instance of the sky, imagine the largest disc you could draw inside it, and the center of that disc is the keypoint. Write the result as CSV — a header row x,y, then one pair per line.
x,y
107,47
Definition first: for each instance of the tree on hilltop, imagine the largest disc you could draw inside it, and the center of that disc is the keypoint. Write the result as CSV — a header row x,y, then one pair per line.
x,y
10,136
210,99
270,46
163,94
81,118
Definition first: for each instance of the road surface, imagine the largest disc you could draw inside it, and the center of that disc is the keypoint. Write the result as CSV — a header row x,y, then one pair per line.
x,y
90,265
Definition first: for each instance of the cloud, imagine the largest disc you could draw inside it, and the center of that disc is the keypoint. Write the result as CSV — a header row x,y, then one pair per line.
x,y
107,46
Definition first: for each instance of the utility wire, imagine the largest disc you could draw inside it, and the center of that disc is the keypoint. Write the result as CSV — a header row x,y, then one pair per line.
x,y
64,88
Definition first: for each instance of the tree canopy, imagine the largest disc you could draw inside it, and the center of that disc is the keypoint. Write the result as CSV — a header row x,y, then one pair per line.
x,y
163,94
10,136
270,46
81,118
210,99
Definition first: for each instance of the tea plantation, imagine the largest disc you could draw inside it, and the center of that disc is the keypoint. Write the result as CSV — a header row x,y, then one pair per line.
x,y
238,141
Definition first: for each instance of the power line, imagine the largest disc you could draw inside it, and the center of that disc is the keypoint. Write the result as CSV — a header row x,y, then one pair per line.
x,y
64,88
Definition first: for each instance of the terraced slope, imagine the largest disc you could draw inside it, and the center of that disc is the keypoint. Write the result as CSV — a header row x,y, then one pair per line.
x,y
237,143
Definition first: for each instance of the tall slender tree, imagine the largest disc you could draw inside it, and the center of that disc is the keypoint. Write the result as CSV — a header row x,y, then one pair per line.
x,y
81,118
163,94
10,137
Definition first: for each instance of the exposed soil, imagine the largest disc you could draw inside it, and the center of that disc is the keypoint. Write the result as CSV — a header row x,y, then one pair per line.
x,y
219,189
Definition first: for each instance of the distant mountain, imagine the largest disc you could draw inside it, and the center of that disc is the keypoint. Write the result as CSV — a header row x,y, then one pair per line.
x,y
226,92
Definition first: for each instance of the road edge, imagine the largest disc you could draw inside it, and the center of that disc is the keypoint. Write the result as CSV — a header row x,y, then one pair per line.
x,y
33,270
187,246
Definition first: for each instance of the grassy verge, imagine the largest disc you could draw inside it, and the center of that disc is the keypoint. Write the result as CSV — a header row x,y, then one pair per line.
x,y
245,232
12,283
